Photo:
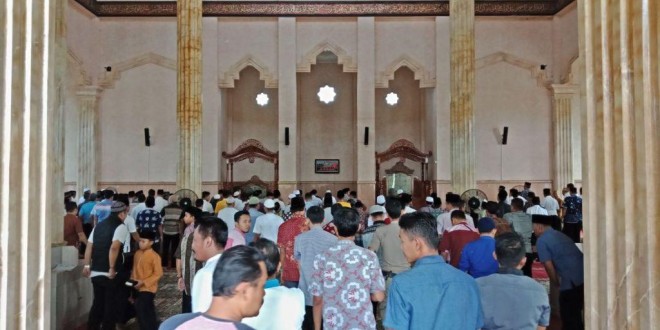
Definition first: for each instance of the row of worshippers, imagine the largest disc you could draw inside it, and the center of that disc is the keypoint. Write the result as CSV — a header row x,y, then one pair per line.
x,y
345,278
243,218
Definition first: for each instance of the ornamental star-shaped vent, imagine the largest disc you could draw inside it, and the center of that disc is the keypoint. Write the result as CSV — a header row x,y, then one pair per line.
x,y
262,99
327,94
392,99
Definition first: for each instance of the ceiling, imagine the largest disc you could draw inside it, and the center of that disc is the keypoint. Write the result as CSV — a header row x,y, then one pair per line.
x,y
160,8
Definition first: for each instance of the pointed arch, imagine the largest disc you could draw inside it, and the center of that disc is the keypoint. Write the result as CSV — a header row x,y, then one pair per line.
x,y
233,73
108,79
347,63
534,68
425,78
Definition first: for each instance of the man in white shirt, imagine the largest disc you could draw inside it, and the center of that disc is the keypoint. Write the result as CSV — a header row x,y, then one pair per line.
x,y
318,201
227,213
238,202
268,224
549,203
207,207
141,206
283,308
209,241
160,201
536,207
514,193
454,203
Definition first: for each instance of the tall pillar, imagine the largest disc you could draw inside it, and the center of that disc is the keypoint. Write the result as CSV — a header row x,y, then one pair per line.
x,y
287,93
88,98
620,47
189,98
366,109
563,96
462,82
30,157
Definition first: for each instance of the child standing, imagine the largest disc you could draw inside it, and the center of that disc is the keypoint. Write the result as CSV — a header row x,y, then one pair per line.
x,y
147,271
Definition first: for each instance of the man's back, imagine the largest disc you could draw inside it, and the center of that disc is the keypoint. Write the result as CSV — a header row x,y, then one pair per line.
x,y
283,309
433,295
267,226
513,301
306,247
195,321
254,214
86,211
345,276
286,235
149,220
455,239
568,260
521,223
550,204
386,241
227,215
444,221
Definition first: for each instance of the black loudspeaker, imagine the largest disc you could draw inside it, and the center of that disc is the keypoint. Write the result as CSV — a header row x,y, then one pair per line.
x,y
366,136
505,135
147,138
286,136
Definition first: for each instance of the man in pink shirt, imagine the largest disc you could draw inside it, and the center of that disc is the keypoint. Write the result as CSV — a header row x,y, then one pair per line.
x,y
237,235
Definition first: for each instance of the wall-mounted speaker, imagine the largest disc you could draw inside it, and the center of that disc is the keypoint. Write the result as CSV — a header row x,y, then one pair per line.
x,y
366,136
505,135
147,137
286,136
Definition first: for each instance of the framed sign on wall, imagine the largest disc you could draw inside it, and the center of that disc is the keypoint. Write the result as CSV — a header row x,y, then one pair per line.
x,y
326,166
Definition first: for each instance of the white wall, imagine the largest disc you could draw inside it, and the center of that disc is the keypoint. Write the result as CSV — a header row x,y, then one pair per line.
x,y
508,93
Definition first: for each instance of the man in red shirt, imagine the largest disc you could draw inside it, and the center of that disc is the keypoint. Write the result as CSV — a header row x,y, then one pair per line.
x,y
73,231
456,237
286,236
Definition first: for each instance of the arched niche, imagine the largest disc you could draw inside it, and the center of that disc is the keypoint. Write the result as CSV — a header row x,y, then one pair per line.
x,y
244,119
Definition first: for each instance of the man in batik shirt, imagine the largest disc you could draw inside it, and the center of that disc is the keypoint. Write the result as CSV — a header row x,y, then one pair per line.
x,y
346,279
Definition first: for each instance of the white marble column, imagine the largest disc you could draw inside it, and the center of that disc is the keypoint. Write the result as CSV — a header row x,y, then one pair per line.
x,y
189,99
287,93
30,157
88,98
462,81
563,99
366,109
620,46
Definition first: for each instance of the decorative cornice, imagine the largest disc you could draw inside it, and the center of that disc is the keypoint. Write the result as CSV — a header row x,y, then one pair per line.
x,y
534,68
424,77
250,149
403,149
108,79
233,73
347,63
325,8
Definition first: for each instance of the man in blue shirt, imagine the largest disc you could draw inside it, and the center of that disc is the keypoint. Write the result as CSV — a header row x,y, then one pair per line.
x,y
573,215
564,263
433,294
510,299
477,258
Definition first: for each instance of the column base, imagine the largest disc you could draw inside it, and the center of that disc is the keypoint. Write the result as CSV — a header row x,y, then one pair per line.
x,y
71,293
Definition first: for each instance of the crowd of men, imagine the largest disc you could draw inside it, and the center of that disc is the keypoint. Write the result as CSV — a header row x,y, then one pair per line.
x,y
255,261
